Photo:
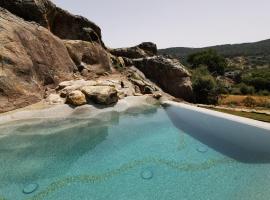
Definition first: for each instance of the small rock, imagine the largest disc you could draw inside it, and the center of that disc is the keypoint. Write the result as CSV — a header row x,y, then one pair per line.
x,y
55,99
157,95
76,98
84,72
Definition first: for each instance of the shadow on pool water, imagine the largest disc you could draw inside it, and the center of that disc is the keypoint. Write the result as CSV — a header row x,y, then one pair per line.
x,y
241,142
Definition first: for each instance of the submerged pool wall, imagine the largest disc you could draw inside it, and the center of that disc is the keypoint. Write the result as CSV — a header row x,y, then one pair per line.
x,y
240,138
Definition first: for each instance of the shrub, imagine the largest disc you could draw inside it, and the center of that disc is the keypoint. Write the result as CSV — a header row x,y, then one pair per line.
x,y
236,91
215,63
245,89
260,79
263,103
205,90
264,93
249,102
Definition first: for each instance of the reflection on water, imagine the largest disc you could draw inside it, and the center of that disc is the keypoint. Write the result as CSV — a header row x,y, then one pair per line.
x,y
135,155
47,149
36,155
241,142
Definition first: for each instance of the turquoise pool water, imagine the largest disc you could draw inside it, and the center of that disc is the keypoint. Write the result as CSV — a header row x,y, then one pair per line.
x,y
134,155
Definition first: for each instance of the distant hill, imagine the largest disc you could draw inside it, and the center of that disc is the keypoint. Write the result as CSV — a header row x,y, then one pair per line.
x,y
257,53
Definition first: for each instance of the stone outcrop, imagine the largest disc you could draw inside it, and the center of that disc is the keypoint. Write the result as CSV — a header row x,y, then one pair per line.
x,y
169,74
146,49
32,58
46,52
102,91
101,94
58,21
143,85
89,56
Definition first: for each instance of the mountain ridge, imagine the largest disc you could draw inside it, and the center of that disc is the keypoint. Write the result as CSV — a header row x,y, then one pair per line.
x,y
248,49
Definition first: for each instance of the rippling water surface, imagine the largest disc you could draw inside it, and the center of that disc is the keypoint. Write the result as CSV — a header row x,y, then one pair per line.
x,y
136,155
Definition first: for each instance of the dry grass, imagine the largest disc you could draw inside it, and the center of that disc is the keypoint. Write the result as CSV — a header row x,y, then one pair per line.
x,y
239,101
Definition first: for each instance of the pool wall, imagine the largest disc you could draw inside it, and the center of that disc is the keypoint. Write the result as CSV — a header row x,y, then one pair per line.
x,y
241,138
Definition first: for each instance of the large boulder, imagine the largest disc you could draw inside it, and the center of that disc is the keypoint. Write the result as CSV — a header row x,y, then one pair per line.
x,y
32,58
58,21
169,74
146,49
76,98
101,94
89,55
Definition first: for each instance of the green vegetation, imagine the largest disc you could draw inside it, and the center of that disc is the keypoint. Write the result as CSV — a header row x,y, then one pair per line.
x,y
240,69
208,67
204,86
259,79
214,62
258,53
245,89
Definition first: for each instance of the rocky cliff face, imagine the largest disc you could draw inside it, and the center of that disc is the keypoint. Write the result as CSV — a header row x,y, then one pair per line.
x,y
167,73
31,58
60,22
43,45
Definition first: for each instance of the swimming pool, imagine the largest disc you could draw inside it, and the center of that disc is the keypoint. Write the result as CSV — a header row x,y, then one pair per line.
x,y
174,151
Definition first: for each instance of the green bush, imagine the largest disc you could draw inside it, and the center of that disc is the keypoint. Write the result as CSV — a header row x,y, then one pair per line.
x,y
223,88
245,89
204,87
236,91
264,93
260,79
215,63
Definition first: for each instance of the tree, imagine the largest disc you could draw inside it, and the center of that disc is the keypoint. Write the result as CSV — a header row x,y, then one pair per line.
x,y
214,62
260,79
204,87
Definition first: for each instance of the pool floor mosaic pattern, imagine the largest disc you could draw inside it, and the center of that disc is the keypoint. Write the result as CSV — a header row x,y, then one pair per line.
x,y
105,159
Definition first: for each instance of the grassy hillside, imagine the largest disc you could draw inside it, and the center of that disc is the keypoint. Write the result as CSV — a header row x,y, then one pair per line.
x,y
257,53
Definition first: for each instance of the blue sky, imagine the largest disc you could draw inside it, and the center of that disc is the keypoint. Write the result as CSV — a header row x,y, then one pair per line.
x,y
170,23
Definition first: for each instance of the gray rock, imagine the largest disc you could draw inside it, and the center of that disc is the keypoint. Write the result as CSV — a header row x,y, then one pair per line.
x,y
169,74
143,50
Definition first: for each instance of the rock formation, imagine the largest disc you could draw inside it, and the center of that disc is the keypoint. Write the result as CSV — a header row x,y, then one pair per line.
x,y
46,52
60,22
142,50
89,56
168,73
31,58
